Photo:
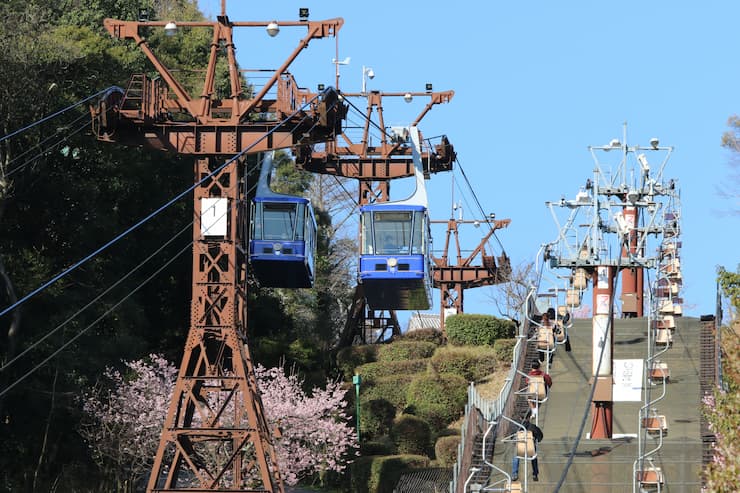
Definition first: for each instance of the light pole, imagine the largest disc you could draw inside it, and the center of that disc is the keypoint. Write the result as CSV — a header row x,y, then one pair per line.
x,y
356,379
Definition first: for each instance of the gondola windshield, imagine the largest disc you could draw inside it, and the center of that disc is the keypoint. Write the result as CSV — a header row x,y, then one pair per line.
x,y
393,233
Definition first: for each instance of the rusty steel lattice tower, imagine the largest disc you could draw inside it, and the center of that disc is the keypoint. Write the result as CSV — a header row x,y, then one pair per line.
x,y
215,436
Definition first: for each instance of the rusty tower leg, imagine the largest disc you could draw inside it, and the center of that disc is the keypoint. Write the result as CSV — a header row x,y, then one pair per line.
x,y
215,435
602,405
632,277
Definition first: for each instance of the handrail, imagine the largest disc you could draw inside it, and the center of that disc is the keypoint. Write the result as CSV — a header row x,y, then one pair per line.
x,y
489,410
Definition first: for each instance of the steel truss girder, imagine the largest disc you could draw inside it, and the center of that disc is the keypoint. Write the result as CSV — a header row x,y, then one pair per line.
x,y
215,436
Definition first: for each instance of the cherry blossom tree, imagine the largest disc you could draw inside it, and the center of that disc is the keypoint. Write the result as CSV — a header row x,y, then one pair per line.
x,y
124,418
315,436
124,423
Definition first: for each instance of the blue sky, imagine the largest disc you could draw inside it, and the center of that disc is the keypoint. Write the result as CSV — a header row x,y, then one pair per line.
x,y
535,84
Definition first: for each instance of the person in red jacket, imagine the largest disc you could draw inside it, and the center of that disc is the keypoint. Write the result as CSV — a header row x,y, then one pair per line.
x,y
536,372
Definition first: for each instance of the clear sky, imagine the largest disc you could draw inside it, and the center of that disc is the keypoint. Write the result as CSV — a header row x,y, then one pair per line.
x,y
535,84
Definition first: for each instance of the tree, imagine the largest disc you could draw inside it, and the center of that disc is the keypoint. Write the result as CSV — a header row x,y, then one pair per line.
x,y
510,297
731,141
125,414
124,421
315,433
720,408
729,282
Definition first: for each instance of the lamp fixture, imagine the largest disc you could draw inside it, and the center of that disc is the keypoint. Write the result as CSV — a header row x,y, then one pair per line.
x,y
272,29
408,97
170,29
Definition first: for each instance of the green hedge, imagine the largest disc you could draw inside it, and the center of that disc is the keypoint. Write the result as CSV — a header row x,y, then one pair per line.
x,y
381,474
370,372
438,399
351,357
470,362
427,335
392,388
446,450
477,330
405,350
504,350
411,435
378,446
376,418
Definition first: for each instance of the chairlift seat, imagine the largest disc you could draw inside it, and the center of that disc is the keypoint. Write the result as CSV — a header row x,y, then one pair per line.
x,y
655,425
537,388
659,372
525,445
545,338
651,476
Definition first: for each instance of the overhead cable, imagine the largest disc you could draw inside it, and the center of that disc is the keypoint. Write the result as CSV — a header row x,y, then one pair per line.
x,y
157,211
54,115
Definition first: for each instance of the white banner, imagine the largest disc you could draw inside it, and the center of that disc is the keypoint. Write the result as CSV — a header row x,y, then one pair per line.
x,y
627,380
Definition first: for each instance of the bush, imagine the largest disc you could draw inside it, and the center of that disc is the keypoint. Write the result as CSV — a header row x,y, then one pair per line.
x,y
446,450
411,435
427,335
503,348
351,357
405,350
392,388
470,362
379,446
477,330
376,417
372,371
438,399
386,471
381,474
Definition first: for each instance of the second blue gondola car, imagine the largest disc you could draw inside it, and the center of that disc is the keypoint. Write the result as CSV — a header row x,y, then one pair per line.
x,y
282,240
395,243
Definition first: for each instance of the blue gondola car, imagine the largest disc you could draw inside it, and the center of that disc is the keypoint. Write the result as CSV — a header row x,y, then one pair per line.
x,y
282,244
395,242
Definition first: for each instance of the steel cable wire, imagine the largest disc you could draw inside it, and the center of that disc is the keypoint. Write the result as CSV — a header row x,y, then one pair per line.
x,y
158,210
54,115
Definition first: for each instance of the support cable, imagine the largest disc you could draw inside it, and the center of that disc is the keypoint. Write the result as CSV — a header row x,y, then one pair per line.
x,y
480,207
94,300
107,312
44,151
158,210
94,323
54,115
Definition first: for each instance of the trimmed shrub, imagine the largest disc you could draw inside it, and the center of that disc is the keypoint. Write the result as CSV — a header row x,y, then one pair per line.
x,y
446,450
376,474
392,388
411,435
351,357
379,446
438,399
405,350
470,362
477,330
428,335
504,350
386,471
376,417
378,369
